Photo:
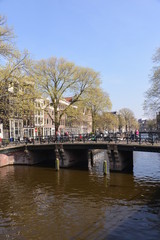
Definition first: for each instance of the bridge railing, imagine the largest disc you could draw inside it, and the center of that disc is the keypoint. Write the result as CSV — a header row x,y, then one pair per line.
x,y
147,138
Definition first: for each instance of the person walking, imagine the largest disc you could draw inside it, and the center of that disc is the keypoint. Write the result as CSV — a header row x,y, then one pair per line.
x,y
137,134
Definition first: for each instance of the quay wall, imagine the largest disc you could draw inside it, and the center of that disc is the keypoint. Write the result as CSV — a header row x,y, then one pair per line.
x,y
18,155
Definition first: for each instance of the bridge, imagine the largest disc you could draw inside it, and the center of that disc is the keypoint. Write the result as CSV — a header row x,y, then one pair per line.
x,y
120,155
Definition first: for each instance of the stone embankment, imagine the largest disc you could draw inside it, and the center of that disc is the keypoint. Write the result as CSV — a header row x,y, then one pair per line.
x,y
15,155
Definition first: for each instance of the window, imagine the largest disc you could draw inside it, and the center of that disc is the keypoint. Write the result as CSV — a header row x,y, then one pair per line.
x,y
25,132
62,122
24,122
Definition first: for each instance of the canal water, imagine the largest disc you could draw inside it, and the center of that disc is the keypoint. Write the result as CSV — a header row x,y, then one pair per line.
x,y
39,203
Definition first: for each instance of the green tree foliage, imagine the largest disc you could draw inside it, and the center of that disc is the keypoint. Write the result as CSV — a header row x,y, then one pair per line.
x,y
98,102
57,78
107,121
121,122
7,48
128,119
17,88
152,95
77,115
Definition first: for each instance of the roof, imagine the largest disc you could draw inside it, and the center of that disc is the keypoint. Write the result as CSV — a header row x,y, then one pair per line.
x,y
69,99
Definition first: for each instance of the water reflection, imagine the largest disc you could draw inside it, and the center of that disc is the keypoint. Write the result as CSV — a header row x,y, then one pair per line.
x,y
146,166
41,203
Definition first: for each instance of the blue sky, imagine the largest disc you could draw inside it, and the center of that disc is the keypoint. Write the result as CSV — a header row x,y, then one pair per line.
x,y
114,37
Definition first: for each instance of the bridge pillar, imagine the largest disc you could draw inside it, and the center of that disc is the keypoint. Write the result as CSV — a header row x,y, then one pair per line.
x,y
119,160
59,154
90,158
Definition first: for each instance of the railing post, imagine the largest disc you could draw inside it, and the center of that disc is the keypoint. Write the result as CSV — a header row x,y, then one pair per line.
x,y
152,139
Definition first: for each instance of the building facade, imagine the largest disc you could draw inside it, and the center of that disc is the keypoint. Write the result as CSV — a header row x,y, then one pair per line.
x,y
40,122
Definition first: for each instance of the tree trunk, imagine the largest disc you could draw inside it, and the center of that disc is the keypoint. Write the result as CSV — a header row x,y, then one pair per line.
x,y
57,122
93,123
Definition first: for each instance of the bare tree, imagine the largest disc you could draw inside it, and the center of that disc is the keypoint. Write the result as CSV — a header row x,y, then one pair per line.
x,y
57,78
128,118
17,89
152,95
7,48
98,102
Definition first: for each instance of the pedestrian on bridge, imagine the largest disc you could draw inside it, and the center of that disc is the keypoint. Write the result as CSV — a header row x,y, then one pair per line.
x,y
137,134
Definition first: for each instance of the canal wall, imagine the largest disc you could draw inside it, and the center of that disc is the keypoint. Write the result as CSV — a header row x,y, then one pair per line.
x,y
23,156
